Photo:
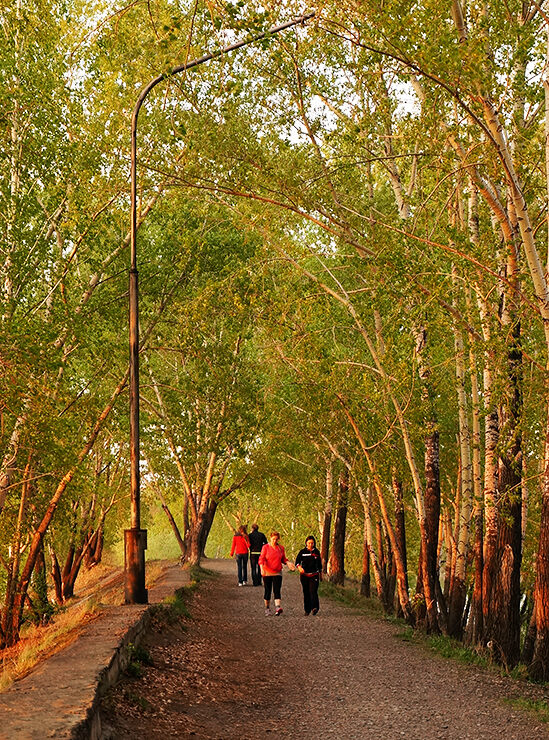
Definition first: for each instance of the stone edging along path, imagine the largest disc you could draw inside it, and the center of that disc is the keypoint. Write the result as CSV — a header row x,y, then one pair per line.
x,y
60,698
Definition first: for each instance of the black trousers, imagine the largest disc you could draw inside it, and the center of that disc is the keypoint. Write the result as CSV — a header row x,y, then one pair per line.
x,y
256,572
309,584
272,583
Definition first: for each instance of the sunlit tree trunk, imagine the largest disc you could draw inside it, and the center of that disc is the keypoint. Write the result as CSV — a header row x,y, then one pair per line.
x,y
400,534
366,499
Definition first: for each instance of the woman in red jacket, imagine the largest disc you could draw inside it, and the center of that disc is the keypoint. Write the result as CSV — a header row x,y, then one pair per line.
x,y
271,560
241,545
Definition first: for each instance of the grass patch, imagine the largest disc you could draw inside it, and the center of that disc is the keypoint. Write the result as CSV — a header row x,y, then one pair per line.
x,y
538,708
138,657
175,608
406,635
350,597
452,649
455,650
198,574
446,647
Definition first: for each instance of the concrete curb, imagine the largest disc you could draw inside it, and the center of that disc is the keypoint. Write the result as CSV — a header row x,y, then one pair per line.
x,y
90,728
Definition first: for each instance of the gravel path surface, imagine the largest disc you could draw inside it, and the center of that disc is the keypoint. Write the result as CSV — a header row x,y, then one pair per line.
x,y
231,672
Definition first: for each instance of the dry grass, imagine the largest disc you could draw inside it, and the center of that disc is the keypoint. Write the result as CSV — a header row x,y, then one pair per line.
x,y
38,643
102,585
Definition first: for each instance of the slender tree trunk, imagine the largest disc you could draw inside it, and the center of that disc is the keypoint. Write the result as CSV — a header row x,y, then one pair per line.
x,y
327,522
366,499
458,594
56,577
365,588
538,669
429,523
504,631
400,533
382,558
336,568
401,575
430,531
391,572
173,523
475,628
449,546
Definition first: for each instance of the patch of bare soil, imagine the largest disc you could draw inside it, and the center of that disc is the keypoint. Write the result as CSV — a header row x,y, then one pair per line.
x,y
230,672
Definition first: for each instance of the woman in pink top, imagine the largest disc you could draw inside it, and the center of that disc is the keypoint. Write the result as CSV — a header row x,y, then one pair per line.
x,y
271,560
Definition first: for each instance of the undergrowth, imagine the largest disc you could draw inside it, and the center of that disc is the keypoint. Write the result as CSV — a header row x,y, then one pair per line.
x,y
175,607
39,642
539,708
138,657
455,650
350,596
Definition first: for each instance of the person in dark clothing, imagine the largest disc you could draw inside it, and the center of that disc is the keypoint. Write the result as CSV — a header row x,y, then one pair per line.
x,y
309,565
257,540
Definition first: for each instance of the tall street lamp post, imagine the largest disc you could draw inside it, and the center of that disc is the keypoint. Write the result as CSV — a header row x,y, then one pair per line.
x,y
135,539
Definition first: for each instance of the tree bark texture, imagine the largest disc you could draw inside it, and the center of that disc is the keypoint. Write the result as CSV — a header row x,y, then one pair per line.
x,y
336,568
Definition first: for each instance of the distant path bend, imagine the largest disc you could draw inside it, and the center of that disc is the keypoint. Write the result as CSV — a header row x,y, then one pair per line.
x,y
238,674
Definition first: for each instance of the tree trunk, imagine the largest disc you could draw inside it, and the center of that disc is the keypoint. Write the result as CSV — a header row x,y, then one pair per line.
x,y
327,523
429,515
95,549
206,527
538,669
336,568
400,533
173,523
430,530
197,535
365,587
378,573
458,590
475,628
56,577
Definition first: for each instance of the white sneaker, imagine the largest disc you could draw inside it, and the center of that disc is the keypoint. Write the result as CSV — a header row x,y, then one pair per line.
x,y
240,584
267,612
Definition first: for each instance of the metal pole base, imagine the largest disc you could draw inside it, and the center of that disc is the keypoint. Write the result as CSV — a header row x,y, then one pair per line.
x,y
135,544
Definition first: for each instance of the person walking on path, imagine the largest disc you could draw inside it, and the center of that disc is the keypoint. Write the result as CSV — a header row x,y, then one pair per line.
x,y
309,565
271,560
257,540
240,547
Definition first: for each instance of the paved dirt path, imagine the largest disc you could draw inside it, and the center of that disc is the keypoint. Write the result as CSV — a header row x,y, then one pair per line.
x,y
234,673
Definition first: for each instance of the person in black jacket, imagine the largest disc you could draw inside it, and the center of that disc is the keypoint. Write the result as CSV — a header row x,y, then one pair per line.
x,y
309,565
257,540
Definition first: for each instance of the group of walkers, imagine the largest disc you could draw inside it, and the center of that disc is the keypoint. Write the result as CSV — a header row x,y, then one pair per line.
x,y
266,561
